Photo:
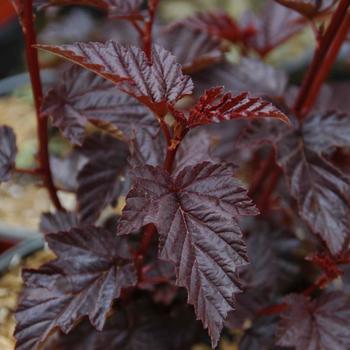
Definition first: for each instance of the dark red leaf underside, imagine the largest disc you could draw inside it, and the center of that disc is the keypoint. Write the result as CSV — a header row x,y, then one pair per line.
x,y
8,151
100,181
91,269
196,214
308,8
320,324
83,97
215,106
322,191
193,49
154,84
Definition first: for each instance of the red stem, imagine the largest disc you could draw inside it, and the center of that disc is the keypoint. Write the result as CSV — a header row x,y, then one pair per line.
x,y
319,57
34,171
147,31
327,64
34,72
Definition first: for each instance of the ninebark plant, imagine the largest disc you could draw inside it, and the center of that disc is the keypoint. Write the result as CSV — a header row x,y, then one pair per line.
x,y
126,283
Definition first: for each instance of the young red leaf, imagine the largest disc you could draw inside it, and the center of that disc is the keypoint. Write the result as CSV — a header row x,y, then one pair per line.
x,y
91,269
219,24
193,49
322,191
196,214
100,179
8,151
82,96
323,323
153,84
308,8
216,106
59,221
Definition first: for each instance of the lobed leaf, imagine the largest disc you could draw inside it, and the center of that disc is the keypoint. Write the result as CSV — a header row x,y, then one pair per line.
x,y
319,324
322,191
8,151
100,179
215,106
153,84
82,96
196,214
193,49
91,269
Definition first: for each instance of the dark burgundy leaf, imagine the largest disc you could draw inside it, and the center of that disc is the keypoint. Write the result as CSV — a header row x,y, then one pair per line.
x,y
8,151
140,325
193,49
82,96
196,214
216,106
59,221
146,148
219,24
100,181
308,8
322,191
323,323
154,84
91,269
266,80
323,132
274,26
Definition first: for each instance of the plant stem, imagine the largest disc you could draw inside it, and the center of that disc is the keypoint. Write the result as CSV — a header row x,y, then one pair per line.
x,y
318,59
34,72
327,64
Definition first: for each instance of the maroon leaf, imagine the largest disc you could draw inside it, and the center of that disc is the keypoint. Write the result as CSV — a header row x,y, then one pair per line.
x,y
308,8
323,323
8,151
196,214
59,221
138,325
154,84
193,49
82,96
100,180
146,148
216,106
322,191
91,269
324,131
219,24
